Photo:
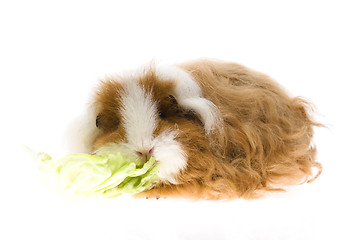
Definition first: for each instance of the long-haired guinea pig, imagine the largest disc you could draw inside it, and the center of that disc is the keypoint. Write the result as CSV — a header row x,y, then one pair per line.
x,y
219,130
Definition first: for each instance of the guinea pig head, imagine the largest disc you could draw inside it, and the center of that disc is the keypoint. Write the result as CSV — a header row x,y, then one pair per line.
x,y
158,112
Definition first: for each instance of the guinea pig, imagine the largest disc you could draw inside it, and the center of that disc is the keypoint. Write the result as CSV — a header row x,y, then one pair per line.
x,y
218,130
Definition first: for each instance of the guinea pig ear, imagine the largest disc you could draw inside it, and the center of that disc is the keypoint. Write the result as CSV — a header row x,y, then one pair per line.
x,y
189,96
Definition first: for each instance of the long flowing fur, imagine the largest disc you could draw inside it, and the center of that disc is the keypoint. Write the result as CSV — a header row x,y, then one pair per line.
x,y
263,141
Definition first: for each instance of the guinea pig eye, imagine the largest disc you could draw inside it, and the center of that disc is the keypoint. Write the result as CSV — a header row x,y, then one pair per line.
x,y
97,121
161,115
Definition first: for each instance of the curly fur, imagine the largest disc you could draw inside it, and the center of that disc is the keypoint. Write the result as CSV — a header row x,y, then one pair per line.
x,y
261,141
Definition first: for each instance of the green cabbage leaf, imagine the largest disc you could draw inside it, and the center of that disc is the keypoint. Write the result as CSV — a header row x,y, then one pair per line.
x,y
103,174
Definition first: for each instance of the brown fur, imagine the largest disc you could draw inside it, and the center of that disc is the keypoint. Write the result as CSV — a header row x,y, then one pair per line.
x,y
265,141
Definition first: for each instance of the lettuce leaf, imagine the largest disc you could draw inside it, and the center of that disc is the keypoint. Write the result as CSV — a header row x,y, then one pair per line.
x,y
104,174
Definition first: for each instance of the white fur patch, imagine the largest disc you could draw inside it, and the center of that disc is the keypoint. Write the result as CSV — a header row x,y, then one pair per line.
x,y
189,96
170,155
80,133
139,113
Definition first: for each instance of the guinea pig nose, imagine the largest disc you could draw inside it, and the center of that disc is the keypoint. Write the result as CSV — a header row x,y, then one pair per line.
x,y
145,152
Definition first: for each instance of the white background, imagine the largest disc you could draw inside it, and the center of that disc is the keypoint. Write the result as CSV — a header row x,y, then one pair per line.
x,y
52,53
